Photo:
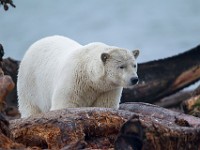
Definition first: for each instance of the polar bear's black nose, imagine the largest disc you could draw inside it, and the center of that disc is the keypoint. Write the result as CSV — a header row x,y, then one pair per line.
x,y
134,80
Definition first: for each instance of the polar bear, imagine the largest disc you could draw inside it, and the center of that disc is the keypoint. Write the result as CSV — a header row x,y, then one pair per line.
x,y
57,72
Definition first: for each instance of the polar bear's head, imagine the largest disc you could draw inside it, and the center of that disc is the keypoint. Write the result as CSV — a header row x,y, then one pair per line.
x,y
120,67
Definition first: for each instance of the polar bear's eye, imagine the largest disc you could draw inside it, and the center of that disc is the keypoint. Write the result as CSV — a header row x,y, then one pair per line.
x,y
122,66
134,65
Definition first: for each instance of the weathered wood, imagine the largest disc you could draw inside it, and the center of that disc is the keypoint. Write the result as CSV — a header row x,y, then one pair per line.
x,y
154,128
131,136
192,105
197,91
159,129
175,100
5,141
10,67
153,111
82,127
1,53
6,85
164,77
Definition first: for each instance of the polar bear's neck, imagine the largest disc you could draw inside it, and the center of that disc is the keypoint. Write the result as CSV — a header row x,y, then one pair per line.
x,y
92,72
90,67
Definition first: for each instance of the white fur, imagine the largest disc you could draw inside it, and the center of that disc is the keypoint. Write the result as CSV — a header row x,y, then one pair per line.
x,y
57,72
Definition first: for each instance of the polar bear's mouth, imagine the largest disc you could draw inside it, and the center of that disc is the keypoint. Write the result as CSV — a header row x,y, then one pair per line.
x,y
129,87
133,81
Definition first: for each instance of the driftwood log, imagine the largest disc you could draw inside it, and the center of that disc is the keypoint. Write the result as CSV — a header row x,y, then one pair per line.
x,y
6,85
185,101
70,128
175,100
5,140
159,129
10,67
150,127
158,79
8,94
192,105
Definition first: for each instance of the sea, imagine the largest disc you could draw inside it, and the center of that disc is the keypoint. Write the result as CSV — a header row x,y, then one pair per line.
x,y
158,28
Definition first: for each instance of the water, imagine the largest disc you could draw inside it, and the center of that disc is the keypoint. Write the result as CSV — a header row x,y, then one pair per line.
x,y
158,28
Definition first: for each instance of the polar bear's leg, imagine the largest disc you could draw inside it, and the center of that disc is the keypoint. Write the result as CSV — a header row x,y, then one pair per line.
x,y
61,101
27,95
109,99
56,105
27,109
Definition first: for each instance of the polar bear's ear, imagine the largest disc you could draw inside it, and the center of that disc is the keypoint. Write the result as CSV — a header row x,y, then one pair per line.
x,y
104,57
136,53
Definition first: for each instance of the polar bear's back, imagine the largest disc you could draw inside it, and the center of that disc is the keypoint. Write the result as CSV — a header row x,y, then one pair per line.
x,y
38,70
56,45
